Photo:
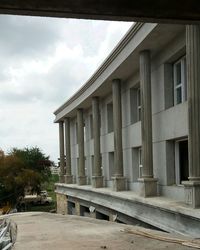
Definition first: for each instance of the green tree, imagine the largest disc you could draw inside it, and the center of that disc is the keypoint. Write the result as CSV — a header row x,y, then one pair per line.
x,y
22,169
34,159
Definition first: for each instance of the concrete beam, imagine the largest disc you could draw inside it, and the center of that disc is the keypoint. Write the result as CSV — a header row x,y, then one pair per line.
x,y
143,10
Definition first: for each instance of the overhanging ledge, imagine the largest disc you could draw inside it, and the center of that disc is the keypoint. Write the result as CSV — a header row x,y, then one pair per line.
x,y
168,215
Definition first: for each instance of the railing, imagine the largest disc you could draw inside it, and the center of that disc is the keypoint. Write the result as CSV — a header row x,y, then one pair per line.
x,y
8,234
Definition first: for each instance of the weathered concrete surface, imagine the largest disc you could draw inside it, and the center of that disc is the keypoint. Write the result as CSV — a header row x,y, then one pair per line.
x,y
41,231
145,10
61,204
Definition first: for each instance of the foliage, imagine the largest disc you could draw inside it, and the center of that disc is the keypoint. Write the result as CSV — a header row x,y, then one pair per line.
x,y
34,159
22,169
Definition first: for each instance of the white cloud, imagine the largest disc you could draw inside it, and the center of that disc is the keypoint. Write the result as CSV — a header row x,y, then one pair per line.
x,y
40,58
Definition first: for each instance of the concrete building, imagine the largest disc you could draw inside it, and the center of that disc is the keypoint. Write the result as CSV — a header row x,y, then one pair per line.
x,y
131,133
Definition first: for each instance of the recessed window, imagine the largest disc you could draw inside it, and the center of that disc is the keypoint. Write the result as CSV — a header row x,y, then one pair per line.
x,y
136,163
110,117
140,161
84,131
76,128
138,105
180,82
92,163
77,165
111,164
181,161
135,104
91,127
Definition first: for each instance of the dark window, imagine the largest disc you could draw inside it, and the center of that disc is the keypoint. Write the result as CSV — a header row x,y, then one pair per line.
x,y
91,127
183,160
135,104
110,117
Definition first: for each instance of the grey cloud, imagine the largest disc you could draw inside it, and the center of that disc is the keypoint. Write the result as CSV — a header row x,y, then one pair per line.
x,y
22,36
28,100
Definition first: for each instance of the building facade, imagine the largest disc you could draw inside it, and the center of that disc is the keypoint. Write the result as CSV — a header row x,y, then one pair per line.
x,y
131,134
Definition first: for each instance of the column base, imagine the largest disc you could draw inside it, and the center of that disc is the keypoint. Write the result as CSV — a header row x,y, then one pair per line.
x,y
97,181
82,180
61,179
192,193
119,183
68,179
148,187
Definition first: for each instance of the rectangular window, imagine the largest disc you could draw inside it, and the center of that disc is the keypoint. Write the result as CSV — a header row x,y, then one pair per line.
x,y
135,104
138,104
77,165
91,127
92,163
110,117
140,162
180,81
136,163
84,131
111,164
181,161
76,128
101,159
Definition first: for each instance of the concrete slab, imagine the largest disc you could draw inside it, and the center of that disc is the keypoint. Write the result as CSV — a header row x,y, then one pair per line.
x,y
51,231
160,212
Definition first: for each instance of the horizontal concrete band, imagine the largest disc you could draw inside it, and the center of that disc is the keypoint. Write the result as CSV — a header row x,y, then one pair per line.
x,y
159,212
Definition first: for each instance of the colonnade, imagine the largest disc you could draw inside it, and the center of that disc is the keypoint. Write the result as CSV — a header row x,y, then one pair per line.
x,y
147,182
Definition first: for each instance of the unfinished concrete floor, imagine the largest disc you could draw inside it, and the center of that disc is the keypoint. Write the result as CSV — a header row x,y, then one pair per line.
x,y
42,231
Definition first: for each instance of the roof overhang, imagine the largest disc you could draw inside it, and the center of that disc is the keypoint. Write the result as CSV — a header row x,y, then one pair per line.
x,y
122,63
169,11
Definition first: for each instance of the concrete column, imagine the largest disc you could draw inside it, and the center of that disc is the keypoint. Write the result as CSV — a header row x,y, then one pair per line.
x,y
192,187
62,157
81,167
147,183
68,176
97,178
118,179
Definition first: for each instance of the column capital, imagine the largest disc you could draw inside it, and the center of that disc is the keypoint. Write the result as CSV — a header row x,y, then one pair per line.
x,y
95,98
145,51
66,118
117,80
79,110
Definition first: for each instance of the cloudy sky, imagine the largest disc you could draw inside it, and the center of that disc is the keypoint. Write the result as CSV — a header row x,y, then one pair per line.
x,y
43,61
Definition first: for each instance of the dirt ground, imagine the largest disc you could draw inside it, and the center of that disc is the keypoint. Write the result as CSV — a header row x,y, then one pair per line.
x,y
45,231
